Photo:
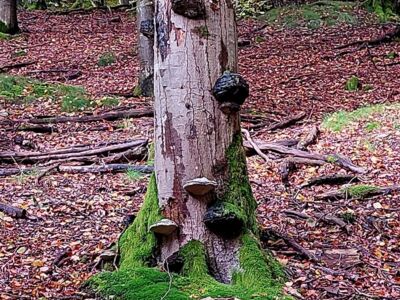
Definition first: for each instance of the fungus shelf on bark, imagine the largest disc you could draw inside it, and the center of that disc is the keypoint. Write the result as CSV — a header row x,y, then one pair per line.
x,y
199,186
224,219
192,9
164,227
147,28
230,90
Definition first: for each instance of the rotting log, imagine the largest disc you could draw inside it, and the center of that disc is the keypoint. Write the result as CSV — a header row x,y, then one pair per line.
x,y
336,179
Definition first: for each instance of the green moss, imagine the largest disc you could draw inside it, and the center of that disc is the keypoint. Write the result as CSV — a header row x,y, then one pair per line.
x,y
331,159
361,191
106,59
137,243
371,126
238,196
341,119
3,27
353,83
150,154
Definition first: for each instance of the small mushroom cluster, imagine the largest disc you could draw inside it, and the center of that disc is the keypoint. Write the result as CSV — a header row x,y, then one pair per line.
x,y
230,90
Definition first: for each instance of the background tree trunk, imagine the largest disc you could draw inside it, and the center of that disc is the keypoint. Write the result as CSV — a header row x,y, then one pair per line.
x,y
8,16
145,20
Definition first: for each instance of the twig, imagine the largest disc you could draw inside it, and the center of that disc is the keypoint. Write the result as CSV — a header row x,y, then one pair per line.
x,y
255,146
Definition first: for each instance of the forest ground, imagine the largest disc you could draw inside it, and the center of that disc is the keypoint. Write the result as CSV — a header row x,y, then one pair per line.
x,y
290,70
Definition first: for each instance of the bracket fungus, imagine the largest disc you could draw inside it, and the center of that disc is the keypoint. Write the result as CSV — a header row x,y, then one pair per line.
x,y
224,221
147,28
199,186
192,9
164,227
230,90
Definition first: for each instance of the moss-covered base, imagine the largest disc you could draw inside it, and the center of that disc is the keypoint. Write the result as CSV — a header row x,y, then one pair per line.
x,y
260,277
5,29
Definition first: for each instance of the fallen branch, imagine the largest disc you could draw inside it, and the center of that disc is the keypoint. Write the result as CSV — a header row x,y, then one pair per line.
x,y
111,116
327,218
292,243
337,159
254,145
12,211
16,65
388,37
34,157
286,122
310,139
114,168
357,192
336,179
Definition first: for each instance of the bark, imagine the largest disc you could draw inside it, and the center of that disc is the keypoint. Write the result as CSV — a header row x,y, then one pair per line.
x,y
12,211
8,16
192,135
145,23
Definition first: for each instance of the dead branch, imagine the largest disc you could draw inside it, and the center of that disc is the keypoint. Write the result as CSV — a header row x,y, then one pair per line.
x,y
346,193
12,211
16,65
388,37
286,122
286,167
337,159
110,168
310,139
254,145
292,243
111,116
34,157
336,179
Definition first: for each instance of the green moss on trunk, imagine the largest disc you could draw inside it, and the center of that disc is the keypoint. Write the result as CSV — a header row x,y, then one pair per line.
x,y
137,243
4,28
238,197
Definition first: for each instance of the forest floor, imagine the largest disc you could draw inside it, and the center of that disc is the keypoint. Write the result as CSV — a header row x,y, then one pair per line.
x,y
290,70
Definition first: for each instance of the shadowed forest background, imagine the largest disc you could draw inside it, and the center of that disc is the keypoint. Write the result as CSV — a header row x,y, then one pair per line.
x,y
323,108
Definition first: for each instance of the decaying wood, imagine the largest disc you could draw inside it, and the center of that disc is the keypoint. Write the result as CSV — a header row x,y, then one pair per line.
x,y
293,244
306,161
114,168
34,128
12,211
327,218
344,194
310,139
254,145
337,159
34,157
286,122
337,179
110,116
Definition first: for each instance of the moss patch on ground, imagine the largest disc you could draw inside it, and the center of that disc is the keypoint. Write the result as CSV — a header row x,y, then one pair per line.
x,y
339,120
313,15
24,90
260,277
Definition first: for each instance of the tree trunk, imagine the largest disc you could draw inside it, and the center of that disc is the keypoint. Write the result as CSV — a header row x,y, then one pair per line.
x,y
8,16
198,217
145,23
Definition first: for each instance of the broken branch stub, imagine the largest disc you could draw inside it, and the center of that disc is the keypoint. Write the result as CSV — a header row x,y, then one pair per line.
x,y
200,186
164,227
223,222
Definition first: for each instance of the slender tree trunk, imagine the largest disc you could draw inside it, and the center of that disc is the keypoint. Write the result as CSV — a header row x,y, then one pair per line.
x,y
145,20
8,16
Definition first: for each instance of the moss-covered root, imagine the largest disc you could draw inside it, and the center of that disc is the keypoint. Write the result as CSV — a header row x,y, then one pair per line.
x,y
137,243
259,277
